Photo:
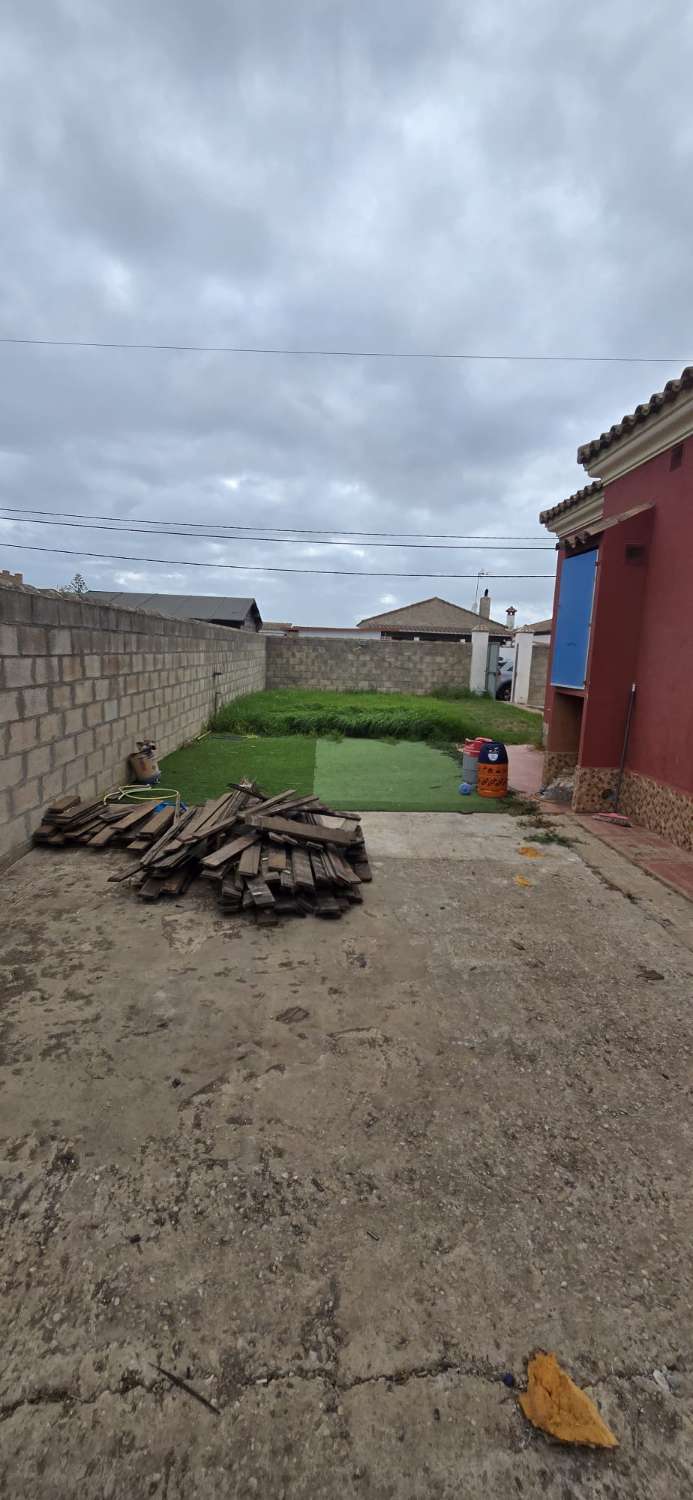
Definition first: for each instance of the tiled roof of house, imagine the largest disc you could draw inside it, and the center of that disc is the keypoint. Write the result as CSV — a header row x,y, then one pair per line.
x,y
180,606
672,390
434,616
563,505
538,627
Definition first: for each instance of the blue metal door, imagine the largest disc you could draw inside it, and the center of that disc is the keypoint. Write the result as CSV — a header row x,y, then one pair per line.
x,y
575,598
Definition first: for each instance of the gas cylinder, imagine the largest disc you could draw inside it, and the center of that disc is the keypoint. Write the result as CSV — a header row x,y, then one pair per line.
x,y
492,775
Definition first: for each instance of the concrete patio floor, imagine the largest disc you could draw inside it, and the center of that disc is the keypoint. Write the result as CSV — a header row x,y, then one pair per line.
x,y
343,1178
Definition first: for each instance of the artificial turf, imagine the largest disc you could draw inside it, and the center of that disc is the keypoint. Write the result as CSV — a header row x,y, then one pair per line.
x,y
205,768
391,776
366,775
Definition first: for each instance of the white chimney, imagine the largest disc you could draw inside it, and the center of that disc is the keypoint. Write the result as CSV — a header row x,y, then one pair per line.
x,y
485,606
510,617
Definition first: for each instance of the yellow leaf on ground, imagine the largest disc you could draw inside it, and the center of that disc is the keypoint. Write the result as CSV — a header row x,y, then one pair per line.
x,y
555,1404
520,880
528,852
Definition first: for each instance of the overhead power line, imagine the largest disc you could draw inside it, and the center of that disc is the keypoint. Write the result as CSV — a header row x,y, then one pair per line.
x,y
341,531
282,540
179,562
409,354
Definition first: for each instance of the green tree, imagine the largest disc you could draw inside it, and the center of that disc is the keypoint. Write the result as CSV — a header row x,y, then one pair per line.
x,y
77,585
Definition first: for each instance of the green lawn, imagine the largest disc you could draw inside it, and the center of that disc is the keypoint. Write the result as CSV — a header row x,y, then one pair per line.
x,y
378,716
365,775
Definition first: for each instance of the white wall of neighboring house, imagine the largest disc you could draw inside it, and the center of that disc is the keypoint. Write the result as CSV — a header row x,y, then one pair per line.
x,y
528,685
523,664
479,667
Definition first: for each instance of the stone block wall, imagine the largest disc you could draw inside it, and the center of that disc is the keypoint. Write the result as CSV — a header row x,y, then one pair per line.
x,y
81,682
379,666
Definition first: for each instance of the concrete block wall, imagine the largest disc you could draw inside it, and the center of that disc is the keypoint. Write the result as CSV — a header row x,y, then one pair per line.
x,y
380,666
81,682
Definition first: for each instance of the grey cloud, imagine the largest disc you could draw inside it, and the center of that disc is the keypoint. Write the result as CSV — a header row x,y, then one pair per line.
x,y
471,177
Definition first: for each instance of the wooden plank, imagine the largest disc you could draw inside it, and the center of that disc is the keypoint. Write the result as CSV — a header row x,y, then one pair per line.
x,y
231,894
260,892
176,884
301,870
221,814
230,850
62,804
326,906
276,801
249,863
48,835
158,823
321,874
112,812
168,839
103,837
81,814
341,869
133,819
199,816
82,834
287,906
151,889
302,832
211,832
276,857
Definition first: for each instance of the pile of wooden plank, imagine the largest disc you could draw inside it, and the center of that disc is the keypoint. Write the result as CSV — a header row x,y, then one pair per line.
x,y
268,856
98,824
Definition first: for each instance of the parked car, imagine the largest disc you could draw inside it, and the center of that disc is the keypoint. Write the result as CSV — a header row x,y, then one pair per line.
x,y
504,681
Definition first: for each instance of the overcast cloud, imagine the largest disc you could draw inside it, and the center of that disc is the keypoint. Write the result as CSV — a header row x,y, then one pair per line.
x,y
392,175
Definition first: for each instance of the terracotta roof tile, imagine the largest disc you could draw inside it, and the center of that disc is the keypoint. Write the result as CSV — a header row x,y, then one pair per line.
x,y
672,390
539,627
434,615
563,505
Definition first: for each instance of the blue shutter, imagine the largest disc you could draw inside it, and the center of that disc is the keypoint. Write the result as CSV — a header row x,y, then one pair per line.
x,y
569,667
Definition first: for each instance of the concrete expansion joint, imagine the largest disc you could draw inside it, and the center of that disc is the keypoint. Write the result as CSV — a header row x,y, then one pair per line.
x,y
467,1370
53,1396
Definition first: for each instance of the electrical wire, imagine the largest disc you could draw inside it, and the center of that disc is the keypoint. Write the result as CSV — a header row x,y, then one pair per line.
x,y
598,359
179,562
283,540
443,536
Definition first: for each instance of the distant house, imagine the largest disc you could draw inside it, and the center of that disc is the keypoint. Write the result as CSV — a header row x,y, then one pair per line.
x,y
540,628
211,609
313,632
438,620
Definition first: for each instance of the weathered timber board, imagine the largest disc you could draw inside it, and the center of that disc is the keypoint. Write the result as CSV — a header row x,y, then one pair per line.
x,y
302,832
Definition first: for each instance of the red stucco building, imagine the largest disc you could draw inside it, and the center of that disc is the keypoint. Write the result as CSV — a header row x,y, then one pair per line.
x,y
623,615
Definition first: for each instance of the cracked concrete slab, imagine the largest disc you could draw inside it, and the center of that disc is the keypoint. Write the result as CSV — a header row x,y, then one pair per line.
x,y
341,1180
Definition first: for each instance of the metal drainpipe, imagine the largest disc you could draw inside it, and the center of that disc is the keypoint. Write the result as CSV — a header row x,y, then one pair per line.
x,y
216,693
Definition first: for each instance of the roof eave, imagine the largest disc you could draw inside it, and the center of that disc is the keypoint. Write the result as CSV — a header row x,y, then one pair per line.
x,y
652,436
583,513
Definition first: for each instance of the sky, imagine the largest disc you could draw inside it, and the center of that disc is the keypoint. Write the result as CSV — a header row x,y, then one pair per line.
x,y
387,177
